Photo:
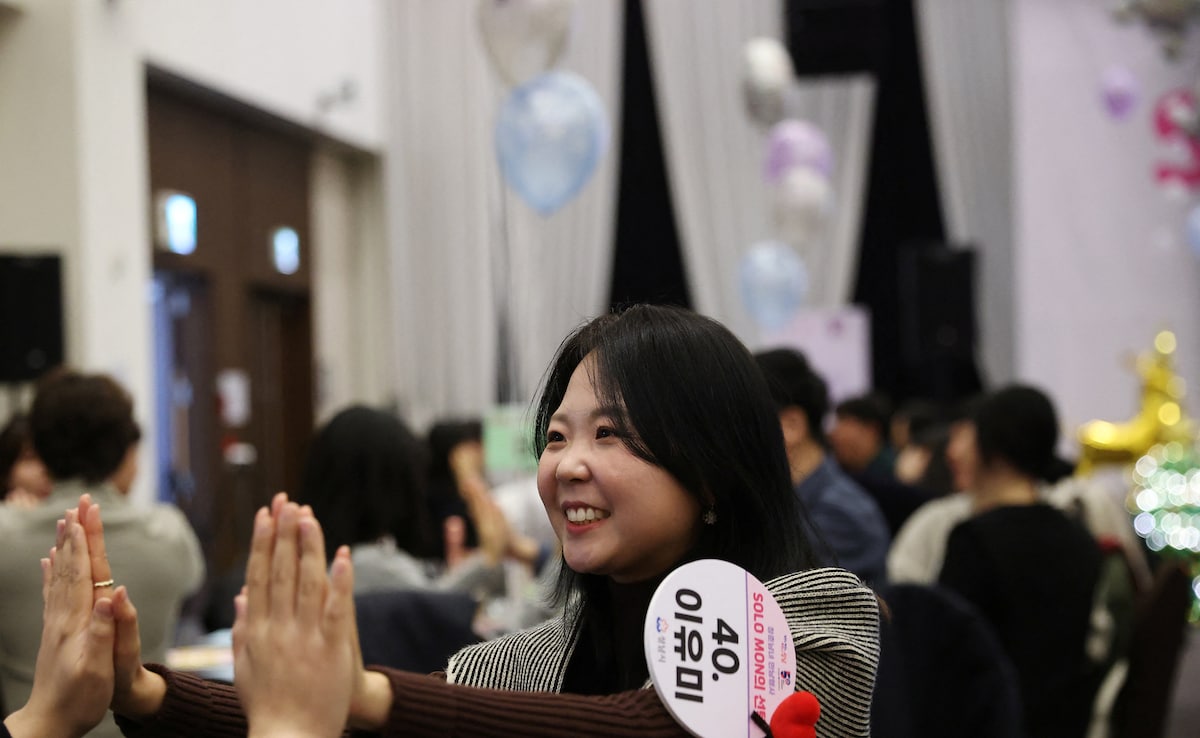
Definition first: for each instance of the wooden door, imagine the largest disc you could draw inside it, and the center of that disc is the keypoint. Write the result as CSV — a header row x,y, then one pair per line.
x,y
252,411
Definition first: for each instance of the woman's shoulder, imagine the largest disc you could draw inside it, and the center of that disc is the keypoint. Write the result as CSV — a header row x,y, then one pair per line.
x,y
829,608
526,660
834,621
820,582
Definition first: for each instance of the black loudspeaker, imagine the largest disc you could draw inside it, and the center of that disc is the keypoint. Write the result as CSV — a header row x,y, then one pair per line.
x,y
31,316
836,36
937,319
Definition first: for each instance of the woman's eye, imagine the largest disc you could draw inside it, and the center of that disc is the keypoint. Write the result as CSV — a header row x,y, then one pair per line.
x,y
554,437
605,432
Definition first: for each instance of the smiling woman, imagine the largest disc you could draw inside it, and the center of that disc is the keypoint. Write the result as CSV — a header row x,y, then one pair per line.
x,y
659,444
615,513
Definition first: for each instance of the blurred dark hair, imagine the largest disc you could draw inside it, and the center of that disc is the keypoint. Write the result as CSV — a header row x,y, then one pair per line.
x,y
82,425
695,405
365,479
872,408
921,414
793,383
14,439
444,498
937,479
444,436
964,409
1018,424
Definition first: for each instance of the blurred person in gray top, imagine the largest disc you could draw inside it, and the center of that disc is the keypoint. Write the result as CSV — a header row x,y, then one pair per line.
x,y
84,431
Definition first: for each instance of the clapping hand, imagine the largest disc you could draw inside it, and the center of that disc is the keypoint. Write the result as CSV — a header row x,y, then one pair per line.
x,y
73,678
294,640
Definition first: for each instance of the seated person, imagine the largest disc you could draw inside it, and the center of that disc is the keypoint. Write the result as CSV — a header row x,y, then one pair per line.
x,y
365,477
859,437
26,482
449,440
842,514
919,547
84,431
1029,569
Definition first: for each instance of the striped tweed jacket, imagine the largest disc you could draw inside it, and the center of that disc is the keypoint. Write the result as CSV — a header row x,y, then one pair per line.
x,y
833,617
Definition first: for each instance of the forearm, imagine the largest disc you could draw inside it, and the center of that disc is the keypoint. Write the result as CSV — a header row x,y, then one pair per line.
x,y
190,706
427,707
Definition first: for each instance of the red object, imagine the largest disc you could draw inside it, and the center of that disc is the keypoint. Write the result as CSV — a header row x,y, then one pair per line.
x,y
796,716
1172,132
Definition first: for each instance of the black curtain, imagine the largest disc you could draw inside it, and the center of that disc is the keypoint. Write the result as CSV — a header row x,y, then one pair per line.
x,y
647,266
902,204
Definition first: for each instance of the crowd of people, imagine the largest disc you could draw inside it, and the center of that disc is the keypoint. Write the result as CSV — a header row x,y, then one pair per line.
x,y
870,528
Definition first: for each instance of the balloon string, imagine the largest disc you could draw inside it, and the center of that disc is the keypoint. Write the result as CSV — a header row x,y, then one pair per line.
x,y
505,356
762,723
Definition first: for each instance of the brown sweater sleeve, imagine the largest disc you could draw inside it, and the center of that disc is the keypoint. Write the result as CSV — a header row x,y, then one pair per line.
x,y
426,706
193,707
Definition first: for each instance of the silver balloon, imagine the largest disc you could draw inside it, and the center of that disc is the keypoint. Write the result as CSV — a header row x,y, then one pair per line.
x,y
767,77
524,38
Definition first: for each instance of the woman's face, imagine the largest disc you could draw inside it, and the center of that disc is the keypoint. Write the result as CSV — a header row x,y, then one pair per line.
x,y
615,513
962,454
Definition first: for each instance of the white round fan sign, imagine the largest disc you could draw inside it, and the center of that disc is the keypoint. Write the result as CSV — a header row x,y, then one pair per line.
x,y
719,649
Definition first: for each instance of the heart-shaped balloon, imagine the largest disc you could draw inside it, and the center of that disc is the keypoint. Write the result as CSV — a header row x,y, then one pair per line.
x,y
796,143
767,75
524,38
550,136
801,204
1119,92
774,283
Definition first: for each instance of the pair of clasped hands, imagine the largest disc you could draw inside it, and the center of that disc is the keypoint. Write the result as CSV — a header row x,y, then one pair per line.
x,y
295,644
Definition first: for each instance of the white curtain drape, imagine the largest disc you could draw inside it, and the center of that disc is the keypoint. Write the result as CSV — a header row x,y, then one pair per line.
x,y
715,152
965,59
844,108
462,245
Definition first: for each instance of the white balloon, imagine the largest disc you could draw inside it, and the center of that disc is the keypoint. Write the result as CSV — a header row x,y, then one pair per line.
x,y
768,75
802,203
524,38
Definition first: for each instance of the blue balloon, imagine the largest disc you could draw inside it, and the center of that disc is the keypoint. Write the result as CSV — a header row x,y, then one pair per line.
x,y
774,283
550,135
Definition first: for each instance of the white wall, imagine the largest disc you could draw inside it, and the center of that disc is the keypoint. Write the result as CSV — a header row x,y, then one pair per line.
x,y
1101,261
73,147
38,188
353,323
283,56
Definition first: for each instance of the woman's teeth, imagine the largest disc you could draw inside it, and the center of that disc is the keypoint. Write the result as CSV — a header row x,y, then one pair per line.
x,y
585,514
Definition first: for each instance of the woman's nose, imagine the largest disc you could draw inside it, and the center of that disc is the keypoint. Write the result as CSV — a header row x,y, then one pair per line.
x,y
573,466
